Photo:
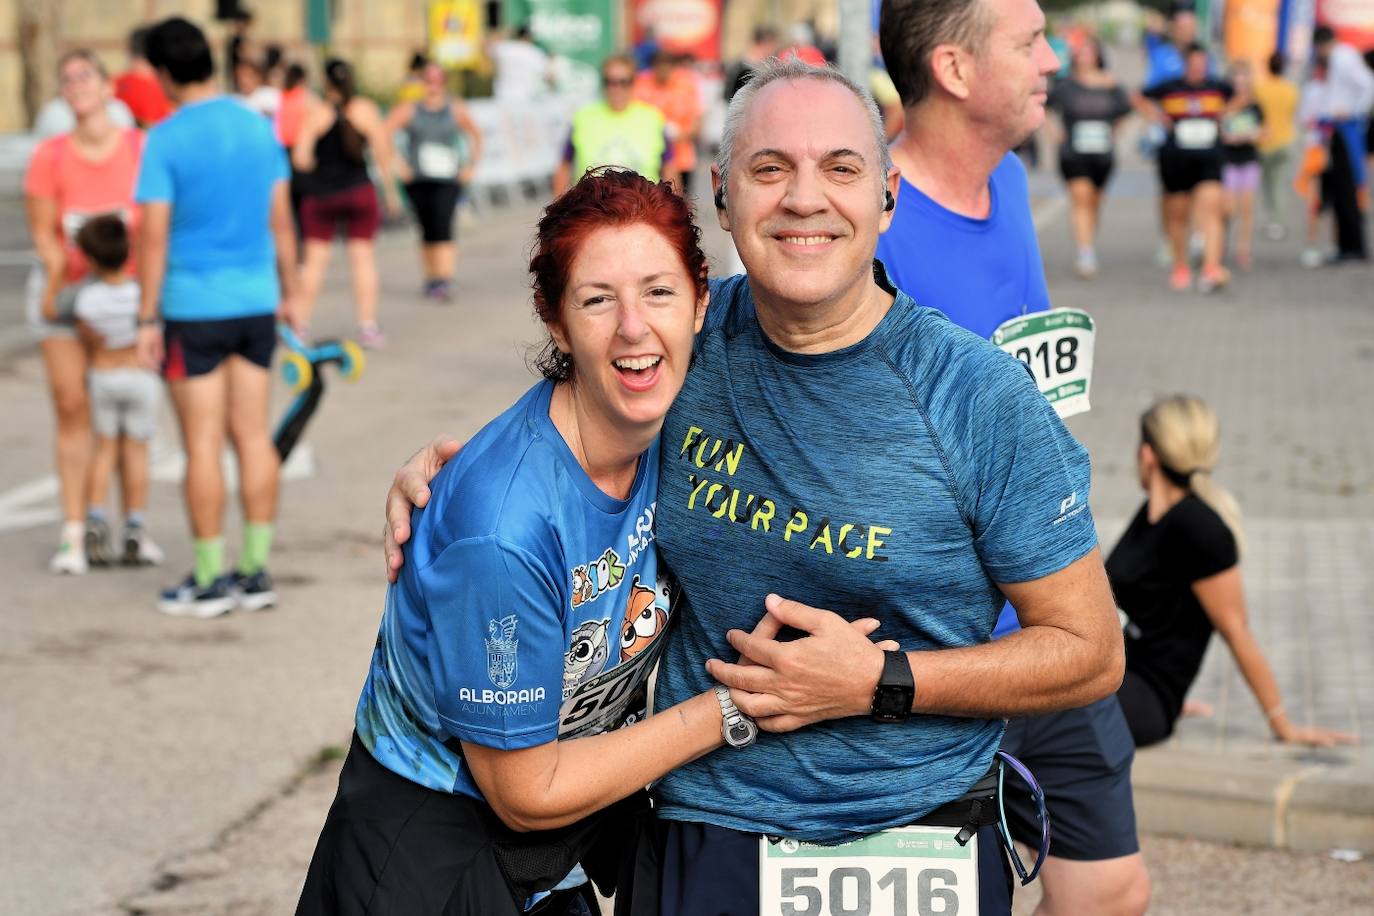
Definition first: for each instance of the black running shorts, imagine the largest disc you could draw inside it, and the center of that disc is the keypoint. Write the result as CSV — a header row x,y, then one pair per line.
x,y
197,347
1180,173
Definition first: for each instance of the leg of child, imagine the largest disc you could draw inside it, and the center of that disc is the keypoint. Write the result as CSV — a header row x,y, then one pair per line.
x,y
133,475
102,466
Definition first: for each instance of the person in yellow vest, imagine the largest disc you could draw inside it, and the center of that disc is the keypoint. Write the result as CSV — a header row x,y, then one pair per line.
x,y
616,131
1278,99
412,88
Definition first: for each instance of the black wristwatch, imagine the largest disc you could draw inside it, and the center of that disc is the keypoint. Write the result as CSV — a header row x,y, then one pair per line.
x,y
896,689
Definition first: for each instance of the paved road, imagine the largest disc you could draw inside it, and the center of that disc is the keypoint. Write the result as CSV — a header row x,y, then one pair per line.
x,y
160,765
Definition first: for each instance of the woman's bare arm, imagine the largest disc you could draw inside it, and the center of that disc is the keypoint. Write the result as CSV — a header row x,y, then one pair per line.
x,y
1222,597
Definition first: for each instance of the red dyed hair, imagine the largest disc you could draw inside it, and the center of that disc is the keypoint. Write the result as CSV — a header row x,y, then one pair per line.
x,y
604,197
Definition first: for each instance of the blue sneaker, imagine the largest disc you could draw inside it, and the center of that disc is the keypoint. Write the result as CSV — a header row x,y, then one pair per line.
x,y
253,593
188,600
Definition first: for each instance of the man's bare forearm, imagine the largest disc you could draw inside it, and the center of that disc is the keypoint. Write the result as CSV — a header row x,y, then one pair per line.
x,y
1036,670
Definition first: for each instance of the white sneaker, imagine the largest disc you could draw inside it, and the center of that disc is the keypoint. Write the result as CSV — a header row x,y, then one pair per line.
x,y
1086,264
70,559
1313,258
139,549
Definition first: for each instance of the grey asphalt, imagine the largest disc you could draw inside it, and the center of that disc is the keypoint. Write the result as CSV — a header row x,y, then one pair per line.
x,y
177,766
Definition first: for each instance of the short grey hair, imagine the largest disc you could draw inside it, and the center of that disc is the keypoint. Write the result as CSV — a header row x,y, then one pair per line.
x,y
775,70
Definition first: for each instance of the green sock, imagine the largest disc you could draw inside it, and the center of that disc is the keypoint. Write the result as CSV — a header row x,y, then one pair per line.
x,y
257,544
209,554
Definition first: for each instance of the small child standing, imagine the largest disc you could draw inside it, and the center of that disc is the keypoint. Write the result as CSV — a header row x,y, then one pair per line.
x,y
124,396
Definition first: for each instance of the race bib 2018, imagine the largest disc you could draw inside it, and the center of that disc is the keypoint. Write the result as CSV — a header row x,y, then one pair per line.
x,y
1058,347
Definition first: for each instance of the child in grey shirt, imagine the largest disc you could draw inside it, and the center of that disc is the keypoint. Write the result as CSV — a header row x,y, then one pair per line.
x,y
125,397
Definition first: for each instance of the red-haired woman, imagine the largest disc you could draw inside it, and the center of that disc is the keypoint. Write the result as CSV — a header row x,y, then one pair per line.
x,y
531,609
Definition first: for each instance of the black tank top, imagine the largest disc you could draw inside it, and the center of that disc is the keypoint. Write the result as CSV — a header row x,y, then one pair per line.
x,y
335,169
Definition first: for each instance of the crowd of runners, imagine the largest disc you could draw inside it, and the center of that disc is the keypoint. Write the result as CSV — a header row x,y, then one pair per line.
x,y
1227,140
833,665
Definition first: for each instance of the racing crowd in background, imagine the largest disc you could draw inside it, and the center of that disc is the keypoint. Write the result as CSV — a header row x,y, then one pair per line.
x,y
180,212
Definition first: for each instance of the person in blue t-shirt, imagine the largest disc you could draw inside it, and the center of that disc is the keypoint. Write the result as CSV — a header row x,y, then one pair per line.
x,y
839,444
962,241
532,608
217,262
1165,42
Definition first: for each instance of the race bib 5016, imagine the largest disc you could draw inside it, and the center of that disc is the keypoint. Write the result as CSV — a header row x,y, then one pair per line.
x,y
906,871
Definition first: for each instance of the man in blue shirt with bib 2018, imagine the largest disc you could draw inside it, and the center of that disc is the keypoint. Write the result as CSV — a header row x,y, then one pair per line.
x,y
963,241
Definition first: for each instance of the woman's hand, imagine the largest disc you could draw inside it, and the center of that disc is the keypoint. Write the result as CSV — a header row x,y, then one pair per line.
x,y
410,490
49,301
1311,736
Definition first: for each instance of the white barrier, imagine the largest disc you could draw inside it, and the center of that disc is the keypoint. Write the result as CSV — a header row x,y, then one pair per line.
x,y
522,142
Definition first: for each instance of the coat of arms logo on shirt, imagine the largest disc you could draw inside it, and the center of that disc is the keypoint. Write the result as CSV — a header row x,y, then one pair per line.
x,y
501,646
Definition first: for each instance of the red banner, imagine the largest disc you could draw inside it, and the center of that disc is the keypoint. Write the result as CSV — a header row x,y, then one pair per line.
x,y
681,26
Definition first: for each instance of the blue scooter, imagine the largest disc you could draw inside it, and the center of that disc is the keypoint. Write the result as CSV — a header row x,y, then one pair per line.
x,y
300,369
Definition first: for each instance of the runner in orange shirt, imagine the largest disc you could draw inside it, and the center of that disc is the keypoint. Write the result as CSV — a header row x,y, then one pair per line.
x,y
672,89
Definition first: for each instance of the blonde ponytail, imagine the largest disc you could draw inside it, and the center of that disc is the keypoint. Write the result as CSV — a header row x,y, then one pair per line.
x,y
1186,438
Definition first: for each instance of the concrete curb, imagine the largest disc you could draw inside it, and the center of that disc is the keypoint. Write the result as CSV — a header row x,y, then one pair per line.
x,y
1296,804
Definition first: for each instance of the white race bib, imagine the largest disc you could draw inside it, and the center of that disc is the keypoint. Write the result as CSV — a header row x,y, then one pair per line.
x,y
1058,347
898,872
1195,133
1092,137
437,160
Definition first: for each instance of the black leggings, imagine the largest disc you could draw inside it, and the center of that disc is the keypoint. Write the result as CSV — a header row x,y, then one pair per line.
x,y
434,203
1146,714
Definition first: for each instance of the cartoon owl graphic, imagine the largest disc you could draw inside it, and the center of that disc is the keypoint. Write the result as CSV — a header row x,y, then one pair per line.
x,y
587,655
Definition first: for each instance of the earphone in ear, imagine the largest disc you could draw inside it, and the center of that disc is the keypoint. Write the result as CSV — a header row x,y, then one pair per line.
x,y
720,198
889,202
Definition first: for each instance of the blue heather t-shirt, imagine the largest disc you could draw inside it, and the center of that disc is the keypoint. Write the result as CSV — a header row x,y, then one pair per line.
x,y
215,162
529,607
899,478
979,272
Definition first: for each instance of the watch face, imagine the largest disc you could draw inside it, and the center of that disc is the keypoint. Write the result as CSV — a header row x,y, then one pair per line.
x,y
892,704
741,733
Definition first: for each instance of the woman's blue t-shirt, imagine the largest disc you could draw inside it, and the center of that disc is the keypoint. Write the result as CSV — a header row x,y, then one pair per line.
x,y
529,608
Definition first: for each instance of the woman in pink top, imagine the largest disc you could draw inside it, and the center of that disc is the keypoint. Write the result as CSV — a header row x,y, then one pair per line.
x,y
71,178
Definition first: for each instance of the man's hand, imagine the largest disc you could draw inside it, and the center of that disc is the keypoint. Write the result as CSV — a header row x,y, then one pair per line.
x,y
288,312
410,490
148,346
828,674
